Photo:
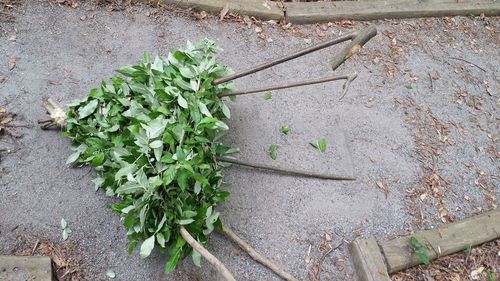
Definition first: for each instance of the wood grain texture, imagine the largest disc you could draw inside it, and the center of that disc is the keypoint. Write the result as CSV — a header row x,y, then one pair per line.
x,y
370,10
443,240
25,268
368,260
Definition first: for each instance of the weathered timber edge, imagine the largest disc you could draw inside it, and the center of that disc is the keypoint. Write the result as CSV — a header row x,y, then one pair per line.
x,y
372,10
368,260
262,9
395,255
314,12
25,267
443,240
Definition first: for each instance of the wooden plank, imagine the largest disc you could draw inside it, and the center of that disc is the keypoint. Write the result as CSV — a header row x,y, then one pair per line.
x,y
368,260
301,12
443,240
262,9
25,268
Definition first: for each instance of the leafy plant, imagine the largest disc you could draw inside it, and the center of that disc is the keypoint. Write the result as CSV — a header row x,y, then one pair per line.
x,y
420,250
268,96
272,151
66,231
320,145
285,130
153,136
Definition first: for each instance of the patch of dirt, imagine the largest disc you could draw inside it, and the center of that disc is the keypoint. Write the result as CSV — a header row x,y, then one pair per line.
x,y
6,9
478,263
66,263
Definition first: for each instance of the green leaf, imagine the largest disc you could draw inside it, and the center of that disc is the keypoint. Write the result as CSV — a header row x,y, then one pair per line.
x,y
285,130
182,102
186,221
423,258
129,188
65,233
203,109
273,151
125,170
161,239
98,159
268,96
64,224
156,144
225,110
73,157
147,246
189,214
87,109
196,258
320,145
110,273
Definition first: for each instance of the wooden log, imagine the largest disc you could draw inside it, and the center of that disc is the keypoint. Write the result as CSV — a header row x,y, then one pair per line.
x,y
25,268
368,260
369,10
443,240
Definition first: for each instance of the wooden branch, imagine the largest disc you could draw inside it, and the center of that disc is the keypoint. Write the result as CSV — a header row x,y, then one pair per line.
x,y
347,83
256,256
284,59
359,39
471,63
286,86
285,171
218,265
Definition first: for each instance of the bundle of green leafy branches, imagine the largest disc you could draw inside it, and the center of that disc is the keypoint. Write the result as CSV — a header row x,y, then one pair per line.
x,y
153,136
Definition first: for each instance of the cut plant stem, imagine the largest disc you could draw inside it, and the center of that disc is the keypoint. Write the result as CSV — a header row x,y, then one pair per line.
x,y
285,58
349,78
359,38
256,256
285,171
219,266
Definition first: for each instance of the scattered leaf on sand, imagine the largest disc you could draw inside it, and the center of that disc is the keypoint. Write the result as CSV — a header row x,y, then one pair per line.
x,y
12,63
383,188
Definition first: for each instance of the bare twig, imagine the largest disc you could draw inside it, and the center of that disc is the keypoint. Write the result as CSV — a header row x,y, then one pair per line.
x,y
471,63
285,171
432,83
347,83
292,85
256,256
284,59
34,247
218,265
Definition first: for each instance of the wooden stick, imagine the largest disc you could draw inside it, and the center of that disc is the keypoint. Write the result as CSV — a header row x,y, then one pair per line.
x,y
360,38
297,84
347,83
256,256
471,63
217,264
284,59
285,171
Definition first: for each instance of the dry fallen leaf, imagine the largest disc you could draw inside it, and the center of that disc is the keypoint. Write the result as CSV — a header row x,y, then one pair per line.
x,y
328,237
382,187
320,32
12,63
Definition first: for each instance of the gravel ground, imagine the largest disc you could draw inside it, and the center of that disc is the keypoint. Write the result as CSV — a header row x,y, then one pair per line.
x,y
418,121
